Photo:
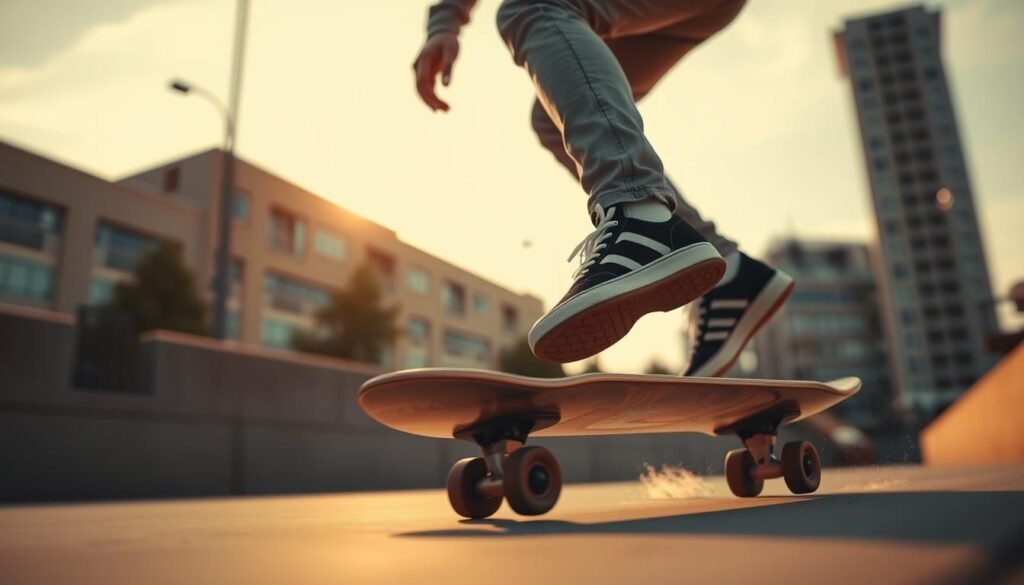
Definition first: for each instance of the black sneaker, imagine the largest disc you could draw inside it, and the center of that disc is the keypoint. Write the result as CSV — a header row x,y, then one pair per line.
x,y
629,267
729,315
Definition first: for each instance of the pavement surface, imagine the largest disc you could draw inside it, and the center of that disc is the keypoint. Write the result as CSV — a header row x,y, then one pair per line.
x,y
864,526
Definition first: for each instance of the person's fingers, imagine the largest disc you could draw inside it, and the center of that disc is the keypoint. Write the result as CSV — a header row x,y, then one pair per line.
x,y
425,80
425,86
451,51
426,68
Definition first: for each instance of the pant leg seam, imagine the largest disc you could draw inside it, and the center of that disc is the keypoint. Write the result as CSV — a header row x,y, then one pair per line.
x,y
626,162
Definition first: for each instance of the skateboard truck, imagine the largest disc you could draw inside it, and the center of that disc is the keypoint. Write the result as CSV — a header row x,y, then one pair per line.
x,y
746,469
529,477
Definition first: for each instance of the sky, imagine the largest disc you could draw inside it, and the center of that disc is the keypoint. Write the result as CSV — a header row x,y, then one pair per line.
x,y
756,126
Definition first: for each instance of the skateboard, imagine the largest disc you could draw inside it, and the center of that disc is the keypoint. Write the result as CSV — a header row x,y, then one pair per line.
x,y
500,411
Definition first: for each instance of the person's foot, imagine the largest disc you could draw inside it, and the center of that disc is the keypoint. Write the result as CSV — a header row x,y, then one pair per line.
x,y
729,315
633,263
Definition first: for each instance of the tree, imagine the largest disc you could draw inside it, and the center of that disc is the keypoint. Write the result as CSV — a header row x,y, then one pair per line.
x,y
519,359
163,294
353,325
656,367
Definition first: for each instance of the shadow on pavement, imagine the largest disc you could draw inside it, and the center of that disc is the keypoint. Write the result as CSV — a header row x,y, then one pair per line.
x,y
992,521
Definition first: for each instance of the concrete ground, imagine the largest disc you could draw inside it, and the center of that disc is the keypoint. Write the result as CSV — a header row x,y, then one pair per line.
x,y
871,525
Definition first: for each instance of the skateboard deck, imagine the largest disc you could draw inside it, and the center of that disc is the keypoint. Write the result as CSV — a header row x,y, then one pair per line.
x,y
499,411
445,403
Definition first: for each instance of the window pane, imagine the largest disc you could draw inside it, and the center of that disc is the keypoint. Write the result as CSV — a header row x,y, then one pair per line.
x,y
241,206
121,248
329,244
101,291
419,281
480,304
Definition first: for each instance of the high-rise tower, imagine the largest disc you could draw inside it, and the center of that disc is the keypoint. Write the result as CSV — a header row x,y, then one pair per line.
x,y
934,285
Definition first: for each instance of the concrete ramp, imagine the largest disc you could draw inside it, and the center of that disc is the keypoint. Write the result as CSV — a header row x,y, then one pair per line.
x,y
986,425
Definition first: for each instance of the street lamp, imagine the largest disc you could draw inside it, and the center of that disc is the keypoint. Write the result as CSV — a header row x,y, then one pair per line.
x,y
222,278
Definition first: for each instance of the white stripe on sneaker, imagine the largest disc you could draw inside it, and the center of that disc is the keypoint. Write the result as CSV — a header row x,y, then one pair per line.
x,y
716,335
644,241
721,322
728,304
621,261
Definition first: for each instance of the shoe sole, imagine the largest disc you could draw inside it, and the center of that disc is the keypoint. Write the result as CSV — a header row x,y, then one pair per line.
x,y
760,312
596,319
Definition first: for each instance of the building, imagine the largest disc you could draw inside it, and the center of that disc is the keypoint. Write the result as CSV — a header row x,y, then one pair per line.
x,y
830,327
933,281
67,238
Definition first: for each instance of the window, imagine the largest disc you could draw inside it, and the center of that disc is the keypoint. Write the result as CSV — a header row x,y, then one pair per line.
x,y
509,320
25,278
286,233
468,346
480,304
277,334
29,224
293,296
172,179
234,325
908,317
419,280
418,331
120,248
329,244
240,209
101,291
383,266
453,298
417,360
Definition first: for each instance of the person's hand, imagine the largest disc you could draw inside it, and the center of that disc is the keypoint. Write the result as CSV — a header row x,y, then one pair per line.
x,y
437,56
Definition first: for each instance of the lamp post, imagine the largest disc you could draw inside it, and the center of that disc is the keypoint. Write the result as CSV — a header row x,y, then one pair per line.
x,y
222,277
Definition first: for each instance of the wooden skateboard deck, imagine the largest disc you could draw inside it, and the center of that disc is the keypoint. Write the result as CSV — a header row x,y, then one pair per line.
x,y
499,411
444,402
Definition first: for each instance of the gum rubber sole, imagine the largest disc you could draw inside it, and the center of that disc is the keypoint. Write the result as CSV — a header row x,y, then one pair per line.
x,y
599,327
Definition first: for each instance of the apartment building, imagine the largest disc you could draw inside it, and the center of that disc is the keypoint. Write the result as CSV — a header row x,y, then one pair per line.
x,y
934,284
67,238
830,327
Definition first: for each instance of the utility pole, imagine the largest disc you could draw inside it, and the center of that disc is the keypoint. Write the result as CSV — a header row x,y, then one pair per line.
x,y
222,286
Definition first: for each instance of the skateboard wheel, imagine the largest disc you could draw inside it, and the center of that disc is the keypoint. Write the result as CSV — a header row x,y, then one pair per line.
x,y
533,480
462,481
738,465
801,467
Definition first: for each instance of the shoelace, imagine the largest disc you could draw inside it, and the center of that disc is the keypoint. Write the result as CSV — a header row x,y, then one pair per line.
x,y
588,249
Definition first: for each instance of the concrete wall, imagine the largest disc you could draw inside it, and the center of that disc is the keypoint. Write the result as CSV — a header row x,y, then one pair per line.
x,y
985,425
215,418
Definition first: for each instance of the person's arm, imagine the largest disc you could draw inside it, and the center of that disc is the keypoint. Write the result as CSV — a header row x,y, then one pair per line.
x,y
445,20
449,16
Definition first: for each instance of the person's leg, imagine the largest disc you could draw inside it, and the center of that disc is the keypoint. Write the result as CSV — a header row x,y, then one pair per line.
x,y
584,90
640,257
645,59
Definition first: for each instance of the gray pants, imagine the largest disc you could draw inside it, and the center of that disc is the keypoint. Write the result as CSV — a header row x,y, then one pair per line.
x,y
590,60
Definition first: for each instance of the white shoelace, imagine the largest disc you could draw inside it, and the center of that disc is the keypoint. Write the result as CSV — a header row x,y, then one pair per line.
x,y
588,249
